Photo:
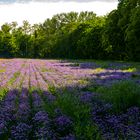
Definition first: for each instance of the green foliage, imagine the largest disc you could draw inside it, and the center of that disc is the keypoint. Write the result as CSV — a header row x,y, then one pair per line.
x,y
77,35
3,92
70,105
2,70
80,113
51,88
133,34
122,95
11,81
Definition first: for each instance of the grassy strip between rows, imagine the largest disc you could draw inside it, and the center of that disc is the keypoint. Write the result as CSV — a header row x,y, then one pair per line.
x,y
3,92
12,80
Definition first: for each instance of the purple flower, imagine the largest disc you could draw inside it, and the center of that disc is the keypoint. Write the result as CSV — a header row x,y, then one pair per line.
x,y
50,98
63,121
63,124
41,117
21,131
42,128
37,102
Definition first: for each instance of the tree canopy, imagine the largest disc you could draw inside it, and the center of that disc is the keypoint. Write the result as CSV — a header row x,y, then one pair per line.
x,y
77,35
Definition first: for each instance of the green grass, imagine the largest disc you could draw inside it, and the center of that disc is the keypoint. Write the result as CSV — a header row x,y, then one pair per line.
x,y
52,88
74,64
12,80
71,106
48,70
2,70
122,95
130,70
98,70
3,92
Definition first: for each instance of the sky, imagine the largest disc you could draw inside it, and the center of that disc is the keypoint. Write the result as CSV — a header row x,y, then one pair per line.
x,y
37,11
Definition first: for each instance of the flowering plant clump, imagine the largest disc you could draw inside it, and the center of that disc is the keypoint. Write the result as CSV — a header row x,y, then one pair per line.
x,y
21,131
63,124
41,123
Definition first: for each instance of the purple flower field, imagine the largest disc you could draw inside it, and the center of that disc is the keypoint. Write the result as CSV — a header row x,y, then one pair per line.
x,y
69,100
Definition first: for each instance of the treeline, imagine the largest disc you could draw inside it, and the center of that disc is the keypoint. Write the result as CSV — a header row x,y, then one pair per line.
x,y
77,35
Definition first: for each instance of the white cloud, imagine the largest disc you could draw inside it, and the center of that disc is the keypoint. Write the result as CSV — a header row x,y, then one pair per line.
x,y
25,1
36,12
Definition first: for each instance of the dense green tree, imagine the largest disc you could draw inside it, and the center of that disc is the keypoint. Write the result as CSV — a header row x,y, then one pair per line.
x,y
77,35
133,35
8,46
114,37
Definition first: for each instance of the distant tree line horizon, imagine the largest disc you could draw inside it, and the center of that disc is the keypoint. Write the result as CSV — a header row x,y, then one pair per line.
x,y
73,35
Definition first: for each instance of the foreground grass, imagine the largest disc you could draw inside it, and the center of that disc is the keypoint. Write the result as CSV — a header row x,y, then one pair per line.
x,y
122,95
70,105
